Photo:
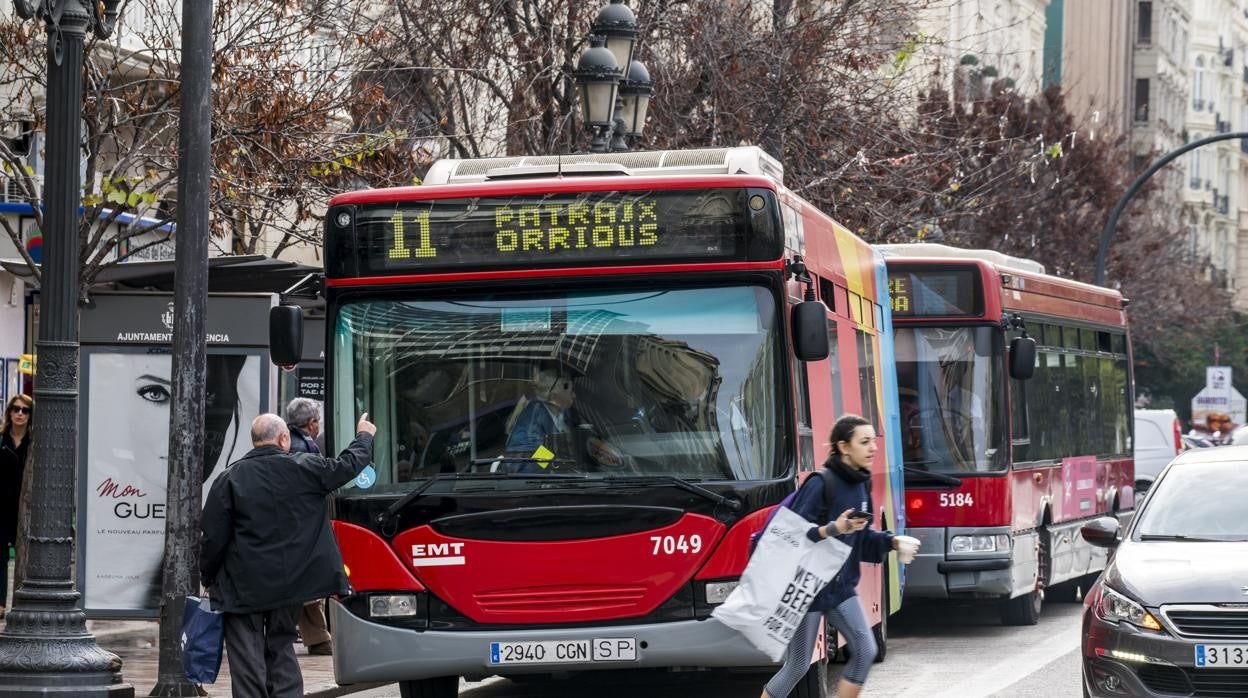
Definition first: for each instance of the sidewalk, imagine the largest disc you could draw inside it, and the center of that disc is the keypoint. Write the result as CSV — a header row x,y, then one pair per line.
x,y
136,643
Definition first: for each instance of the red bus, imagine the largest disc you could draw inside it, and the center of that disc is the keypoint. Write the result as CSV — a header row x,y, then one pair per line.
x,y
1016,411
589,392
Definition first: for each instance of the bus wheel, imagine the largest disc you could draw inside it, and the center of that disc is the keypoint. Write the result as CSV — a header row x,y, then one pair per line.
x,y
440,687
815,683
1025,609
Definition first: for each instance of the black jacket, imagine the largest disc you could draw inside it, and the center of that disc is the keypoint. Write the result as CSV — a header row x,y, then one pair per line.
x,y
300,442
12,465
266,538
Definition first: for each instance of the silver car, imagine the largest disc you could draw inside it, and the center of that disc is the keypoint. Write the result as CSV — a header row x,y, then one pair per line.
x,y
1169,616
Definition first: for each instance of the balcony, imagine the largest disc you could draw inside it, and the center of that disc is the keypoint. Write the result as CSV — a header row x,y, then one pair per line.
x,y
11,191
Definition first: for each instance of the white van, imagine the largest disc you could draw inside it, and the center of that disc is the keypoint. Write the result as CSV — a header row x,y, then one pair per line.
x,y
1157,441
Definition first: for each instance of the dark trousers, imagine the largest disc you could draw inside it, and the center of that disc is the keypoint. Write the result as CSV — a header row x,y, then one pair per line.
x,y
4,571
261,652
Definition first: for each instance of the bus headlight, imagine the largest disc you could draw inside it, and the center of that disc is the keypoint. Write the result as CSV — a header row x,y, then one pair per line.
x,y
717,592
999,543
394,606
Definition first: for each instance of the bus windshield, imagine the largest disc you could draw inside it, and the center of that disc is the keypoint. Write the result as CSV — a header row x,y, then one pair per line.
x,y
951,388
671,382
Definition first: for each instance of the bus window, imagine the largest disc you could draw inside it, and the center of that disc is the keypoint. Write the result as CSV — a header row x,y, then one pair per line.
x,y
866,378
834,365
678,381
951,384
827,294
1020,434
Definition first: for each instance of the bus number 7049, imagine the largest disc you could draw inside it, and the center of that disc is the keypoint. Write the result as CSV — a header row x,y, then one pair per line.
x,y
670,545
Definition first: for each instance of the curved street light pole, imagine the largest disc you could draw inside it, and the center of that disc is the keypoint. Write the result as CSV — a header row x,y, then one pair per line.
x,y
1102,252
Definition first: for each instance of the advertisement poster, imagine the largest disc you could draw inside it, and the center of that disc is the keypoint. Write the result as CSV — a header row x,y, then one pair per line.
x,y
1219,407
128,400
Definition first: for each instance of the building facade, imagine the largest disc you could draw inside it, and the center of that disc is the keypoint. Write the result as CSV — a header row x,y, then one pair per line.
x,y
1211,197
991,38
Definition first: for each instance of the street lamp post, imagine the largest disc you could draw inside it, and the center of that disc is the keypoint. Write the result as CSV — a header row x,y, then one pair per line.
x,y
614,100
45,648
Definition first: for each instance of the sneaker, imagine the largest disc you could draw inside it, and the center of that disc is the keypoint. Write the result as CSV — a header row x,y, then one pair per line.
x,y
324,649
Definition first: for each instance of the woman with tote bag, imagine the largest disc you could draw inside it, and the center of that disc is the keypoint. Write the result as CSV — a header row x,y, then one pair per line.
x,y
849,481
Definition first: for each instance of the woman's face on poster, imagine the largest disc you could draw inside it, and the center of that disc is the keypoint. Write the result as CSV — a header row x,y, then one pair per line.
x,y
145,409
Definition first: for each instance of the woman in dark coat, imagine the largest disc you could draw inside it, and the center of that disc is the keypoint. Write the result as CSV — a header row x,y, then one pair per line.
x,y
14,446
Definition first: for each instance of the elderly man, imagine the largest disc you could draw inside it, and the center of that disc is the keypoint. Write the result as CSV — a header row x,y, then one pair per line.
x,y
303,418
261,561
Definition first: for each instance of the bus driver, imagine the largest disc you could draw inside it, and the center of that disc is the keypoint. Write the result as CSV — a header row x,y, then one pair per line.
x,y
536,419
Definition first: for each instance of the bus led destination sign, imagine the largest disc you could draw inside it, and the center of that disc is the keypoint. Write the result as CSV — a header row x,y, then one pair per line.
x,y
597,227
934,292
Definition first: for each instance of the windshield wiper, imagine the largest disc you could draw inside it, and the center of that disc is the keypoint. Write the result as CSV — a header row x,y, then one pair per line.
x,y
934,477
417,493
1178,536
733,504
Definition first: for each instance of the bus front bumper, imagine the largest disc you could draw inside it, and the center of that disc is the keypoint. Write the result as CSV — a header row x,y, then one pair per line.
x,y
365,651
937,574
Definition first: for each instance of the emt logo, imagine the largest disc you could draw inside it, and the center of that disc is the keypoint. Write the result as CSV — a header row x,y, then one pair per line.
x,y
437,554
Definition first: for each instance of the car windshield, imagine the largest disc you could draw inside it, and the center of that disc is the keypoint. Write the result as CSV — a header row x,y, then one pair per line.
x,y
950,386
679,382
1197,500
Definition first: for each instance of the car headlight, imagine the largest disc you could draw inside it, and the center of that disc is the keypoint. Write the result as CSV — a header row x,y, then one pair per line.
x,y
999,543
1116,608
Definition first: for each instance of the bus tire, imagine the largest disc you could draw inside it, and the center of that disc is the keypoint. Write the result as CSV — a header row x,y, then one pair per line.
x,y
438,687
814,683
1025,609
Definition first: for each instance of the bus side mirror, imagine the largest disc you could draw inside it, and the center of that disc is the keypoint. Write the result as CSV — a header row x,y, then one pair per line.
x,y
810,331
285,334
1022,358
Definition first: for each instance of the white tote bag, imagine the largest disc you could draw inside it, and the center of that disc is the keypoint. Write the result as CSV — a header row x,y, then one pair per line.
x,y
785,574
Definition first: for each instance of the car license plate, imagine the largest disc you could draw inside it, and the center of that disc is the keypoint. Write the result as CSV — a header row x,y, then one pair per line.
x,y
606,649
1214,656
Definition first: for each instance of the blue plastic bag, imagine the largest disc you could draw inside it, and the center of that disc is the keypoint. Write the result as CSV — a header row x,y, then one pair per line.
x,y
203,639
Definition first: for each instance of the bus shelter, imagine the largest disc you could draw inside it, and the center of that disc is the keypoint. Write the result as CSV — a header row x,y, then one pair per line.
x,y
124,419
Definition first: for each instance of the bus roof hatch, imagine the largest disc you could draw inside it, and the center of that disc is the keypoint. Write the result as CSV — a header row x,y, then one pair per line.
x,y
750,160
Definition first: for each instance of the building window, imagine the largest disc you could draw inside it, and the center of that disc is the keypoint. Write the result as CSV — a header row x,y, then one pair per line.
x,y
1141,99
1198,85
1144,31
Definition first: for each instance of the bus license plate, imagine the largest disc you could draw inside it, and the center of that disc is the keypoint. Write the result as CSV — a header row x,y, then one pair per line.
x,y
607,649
1213,656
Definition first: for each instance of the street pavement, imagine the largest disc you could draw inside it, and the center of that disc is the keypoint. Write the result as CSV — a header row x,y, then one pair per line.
x,y
936,650
135,642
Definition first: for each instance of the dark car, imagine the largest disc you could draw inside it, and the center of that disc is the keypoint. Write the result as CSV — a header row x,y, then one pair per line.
x,y
1169,616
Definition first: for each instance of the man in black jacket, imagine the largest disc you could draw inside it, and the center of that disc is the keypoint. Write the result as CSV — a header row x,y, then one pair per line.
x,y
303,418
267,547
